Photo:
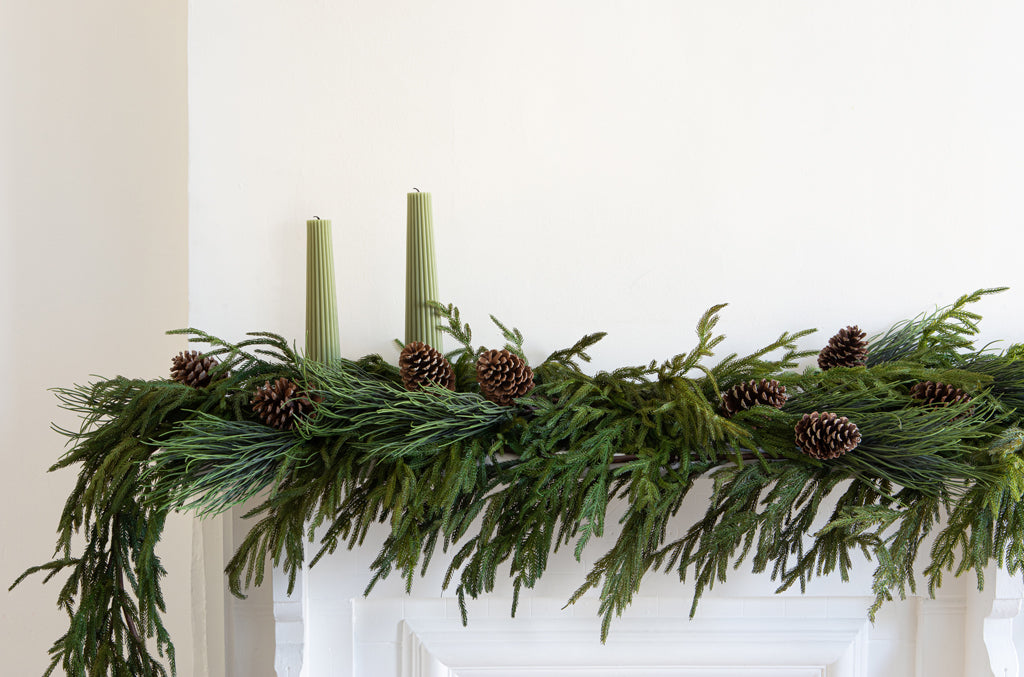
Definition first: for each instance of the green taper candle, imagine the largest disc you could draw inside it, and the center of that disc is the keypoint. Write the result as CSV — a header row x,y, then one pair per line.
x,y
322,342
420,273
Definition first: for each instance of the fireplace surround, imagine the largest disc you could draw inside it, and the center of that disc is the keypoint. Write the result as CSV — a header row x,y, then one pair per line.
x,y
327,628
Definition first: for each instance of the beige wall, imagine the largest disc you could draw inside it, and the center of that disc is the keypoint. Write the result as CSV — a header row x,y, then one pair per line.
x,y
93,261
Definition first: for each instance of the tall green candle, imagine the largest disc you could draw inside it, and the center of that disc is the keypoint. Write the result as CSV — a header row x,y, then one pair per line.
x,y
322,342
420,273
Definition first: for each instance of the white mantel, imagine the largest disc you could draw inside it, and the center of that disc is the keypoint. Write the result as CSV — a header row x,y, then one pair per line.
x,y
328,629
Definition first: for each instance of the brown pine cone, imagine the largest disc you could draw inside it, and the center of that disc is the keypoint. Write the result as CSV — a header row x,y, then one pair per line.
x,y
846,349
503,376
825,435
745,395
939,394
280,403
421,365
192,369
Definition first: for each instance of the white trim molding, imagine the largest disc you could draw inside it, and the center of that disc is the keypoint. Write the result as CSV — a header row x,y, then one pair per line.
x,y
1007,593
431,642
647,647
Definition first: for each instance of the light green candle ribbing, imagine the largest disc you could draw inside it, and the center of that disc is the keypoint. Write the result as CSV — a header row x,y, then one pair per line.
x,y
322,341
420,273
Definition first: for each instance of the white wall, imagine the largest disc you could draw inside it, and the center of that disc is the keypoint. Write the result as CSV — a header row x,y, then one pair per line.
x,y
600,165
605,165
608,165
93,269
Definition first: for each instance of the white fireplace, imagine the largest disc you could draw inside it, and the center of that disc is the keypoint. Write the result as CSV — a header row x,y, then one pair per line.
x,y
550,643
329,629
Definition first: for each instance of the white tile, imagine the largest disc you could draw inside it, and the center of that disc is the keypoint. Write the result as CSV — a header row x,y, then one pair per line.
x,y
891,658
896,621
476,608
585,607
377,620
807,607
548,607
424,608
641,607
848,607
553,585
501,607
769,607
715,607
376,659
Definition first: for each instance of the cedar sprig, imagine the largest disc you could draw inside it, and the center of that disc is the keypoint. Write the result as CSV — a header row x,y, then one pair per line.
x,y
654,498
513,338
733,369
937,338
463,359
568,358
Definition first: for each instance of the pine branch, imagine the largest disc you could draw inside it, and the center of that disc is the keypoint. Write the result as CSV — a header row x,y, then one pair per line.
x,y
937,338
209,465
445,470
383,417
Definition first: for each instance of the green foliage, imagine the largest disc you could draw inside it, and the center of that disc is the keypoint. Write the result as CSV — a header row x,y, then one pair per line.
x,y
446,470
463,358
936,339
378,416
112,594
211,464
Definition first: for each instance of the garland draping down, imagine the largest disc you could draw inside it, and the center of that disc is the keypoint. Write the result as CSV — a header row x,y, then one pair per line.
x,y
502,487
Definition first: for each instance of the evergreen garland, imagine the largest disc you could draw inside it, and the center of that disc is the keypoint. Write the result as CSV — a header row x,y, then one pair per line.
x,y
446,469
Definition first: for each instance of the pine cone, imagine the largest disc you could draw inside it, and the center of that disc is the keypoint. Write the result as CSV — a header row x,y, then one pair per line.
x,y
745,395
846,349
503,376
192,369
422,365
280,403
826,435
939,394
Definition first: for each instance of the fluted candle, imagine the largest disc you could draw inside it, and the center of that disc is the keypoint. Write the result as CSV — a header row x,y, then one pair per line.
x,y
420,273
322,341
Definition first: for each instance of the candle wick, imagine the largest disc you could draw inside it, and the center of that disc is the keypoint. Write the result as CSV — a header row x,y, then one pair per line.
x,y
315,217
416,189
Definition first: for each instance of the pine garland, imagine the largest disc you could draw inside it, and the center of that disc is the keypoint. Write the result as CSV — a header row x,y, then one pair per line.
x,y
446,469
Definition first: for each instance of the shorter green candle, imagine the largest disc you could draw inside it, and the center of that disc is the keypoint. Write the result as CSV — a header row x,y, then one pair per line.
x,y
322,336
420,273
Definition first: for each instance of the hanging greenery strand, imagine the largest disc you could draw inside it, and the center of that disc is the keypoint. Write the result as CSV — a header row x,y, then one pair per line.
x,y
923,440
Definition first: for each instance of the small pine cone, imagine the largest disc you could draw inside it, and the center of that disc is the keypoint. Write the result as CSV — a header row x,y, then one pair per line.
x,y
421,365
826,435
503,376
745,395
939,394
192,369
280,403
846,349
